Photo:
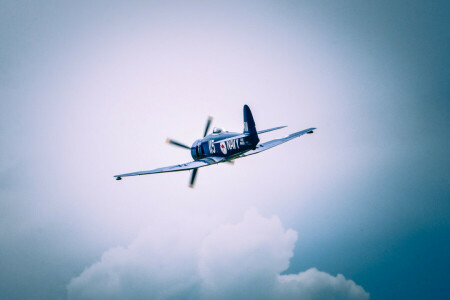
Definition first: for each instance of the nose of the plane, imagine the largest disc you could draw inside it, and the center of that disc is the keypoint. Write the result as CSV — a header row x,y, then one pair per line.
x,y
196,150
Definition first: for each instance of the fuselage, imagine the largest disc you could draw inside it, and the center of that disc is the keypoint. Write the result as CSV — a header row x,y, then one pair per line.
x,y
224,144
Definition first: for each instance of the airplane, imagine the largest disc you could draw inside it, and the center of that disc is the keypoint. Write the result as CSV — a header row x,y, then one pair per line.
x,y
222,146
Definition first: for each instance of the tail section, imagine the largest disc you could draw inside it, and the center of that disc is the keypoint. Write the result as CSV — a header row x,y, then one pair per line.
x,y
249,126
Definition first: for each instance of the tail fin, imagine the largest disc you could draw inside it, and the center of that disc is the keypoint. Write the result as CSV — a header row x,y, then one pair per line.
x,y
249,125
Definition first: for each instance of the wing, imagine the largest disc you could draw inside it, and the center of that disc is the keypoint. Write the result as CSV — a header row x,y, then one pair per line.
x,y
176,168
270,144
271,129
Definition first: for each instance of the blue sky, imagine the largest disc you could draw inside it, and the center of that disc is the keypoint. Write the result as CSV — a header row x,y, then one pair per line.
x,y
92,90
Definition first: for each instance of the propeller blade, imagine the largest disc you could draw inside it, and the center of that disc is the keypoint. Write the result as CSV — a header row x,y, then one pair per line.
x,y
193,175
208,124
169,141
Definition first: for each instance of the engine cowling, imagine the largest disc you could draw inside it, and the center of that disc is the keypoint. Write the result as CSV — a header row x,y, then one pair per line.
x,y
195,150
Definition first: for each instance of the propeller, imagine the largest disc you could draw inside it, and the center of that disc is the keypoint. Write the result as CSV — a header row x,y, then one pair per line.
x,y
175,143
208,124
193,175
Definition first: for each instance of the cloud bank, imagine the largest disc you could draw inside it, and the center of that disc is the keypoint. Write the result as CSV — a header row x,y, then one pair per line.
x,y
199,260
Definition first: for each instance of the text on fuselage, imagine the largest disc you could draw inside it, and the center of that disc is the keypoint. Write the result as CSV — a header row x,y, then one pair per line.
x,y
230,145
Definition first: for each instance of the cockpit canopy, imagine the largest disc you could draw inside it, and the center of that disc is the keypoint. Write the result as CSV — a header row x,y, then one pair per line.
x,y
217,130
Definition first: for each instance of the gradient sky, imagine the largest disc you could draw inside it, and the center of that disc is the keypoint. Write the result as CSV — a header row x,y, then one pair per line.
x,y
88,91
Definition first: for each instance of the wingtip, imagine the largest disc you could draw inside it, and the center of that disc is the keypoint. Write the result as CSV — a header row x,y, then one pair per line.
x,y
311,130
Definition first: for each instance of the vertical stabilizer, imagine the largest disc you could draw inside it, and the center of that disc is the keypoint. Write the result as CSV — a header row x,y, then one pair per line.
x,y
249,125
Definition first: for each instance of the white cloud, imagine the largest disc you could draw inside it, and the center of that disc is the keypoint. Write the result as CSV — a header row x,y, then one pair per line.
x,y
313,284
199,259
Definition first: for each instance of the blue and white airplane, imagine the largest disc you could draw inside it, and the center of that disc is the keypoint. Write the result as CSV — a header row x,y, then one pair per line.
x,y
222,146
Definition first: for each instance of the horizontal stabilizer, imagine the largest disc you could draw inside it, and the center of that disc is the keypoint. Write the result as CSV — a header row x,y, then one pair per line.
x,y
271,129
